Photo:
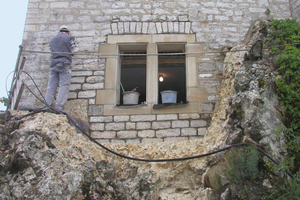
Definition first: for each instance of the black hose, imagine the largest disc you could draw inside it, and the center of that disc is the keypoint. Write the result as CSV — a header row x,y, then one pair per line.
x,y
158,160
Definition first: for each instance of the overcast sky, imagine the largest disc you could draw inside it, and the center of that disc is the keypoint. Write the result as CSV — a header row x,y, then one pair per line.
x,y
12,21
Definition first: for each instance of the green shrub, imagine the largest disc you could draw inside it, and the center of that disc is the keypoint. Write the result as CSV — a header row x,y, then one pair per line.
x,y
290,190
287,34
242,164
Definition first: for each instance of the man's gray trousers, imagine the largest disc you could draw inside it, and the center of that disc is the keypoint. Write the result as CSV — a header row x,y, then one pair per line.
x,y
59,74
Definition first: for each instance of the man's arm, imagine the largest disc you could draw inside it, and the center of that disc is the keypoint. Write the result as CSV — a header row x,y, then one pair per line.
x,y
74,48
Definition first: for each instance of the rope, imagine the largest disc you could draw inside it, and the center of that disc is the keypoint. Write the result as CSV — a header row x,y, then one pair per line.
x,y
157,160
155,54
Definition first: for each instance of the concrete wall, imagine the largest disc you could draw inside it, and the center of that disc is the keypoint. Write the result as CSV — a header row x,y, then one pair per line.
x,y
213,24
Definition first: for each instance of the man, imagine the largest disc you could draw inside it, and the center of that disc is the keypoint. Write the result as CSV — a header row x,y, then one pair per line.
x,y
60,68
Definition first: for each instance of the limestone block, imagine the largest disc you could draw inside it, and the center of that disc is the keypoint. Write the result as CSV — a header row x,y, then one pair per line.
x,y
114,28
59,5
132,27
97,127
121,118
77,4
118,4
159,11
145,27
206,67
158,27
226,5
86,94
165,27
95,86
143,125
181,27
161,125
152,29
138,11
146,134
209,83
135,5
170,27
114,126
130,126
126,27
121,27
211,11
99,74
180,124
104,4
212,97
172,18
140,118
176,27
168,133
95,79
167,117
204,75
138,27
202,131
187,28
198,123
126,134
188,131
116,11
101,119
106,32
189,116
183,17
183,4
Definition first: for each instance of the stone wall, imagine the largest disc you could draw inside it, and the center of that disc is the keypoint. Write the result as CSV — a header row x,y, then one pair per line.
x,y
215,24
149,128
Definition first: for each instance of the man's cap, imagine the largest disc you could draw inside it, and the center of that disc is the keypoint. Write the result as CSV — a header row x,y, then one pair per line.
x,y
64,29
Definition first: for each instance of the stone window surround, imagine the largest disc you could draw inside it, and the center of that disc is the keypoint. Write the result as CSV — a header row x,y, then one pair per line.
x,y
109,96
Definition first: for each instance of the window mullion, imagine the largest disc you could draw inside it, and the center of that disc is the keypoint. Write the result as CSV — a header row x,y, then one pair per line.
x,y
152,74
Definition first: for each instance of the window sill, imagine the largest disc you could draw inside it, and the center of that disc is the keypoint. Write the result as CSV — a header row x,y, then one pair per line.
x,y
157,106
130,105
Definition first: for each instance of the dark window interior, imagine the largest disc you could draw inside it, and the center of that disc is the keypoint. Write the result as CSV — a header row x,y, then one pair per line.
x,y
133,74
172,68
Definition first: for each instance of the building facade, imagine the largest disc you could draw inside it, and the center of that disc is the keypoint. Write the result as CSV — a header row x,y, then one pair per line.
x,y
126,44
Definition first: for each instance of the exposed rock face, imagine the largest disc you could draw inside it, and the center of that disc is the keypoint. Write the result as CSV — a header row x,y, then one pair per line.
x,y
254,109
42,156
46,158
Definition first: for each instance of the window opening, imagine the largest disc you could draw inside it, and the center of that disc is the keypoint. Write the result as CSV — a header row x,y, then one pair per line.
x,y
133,74
172,69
